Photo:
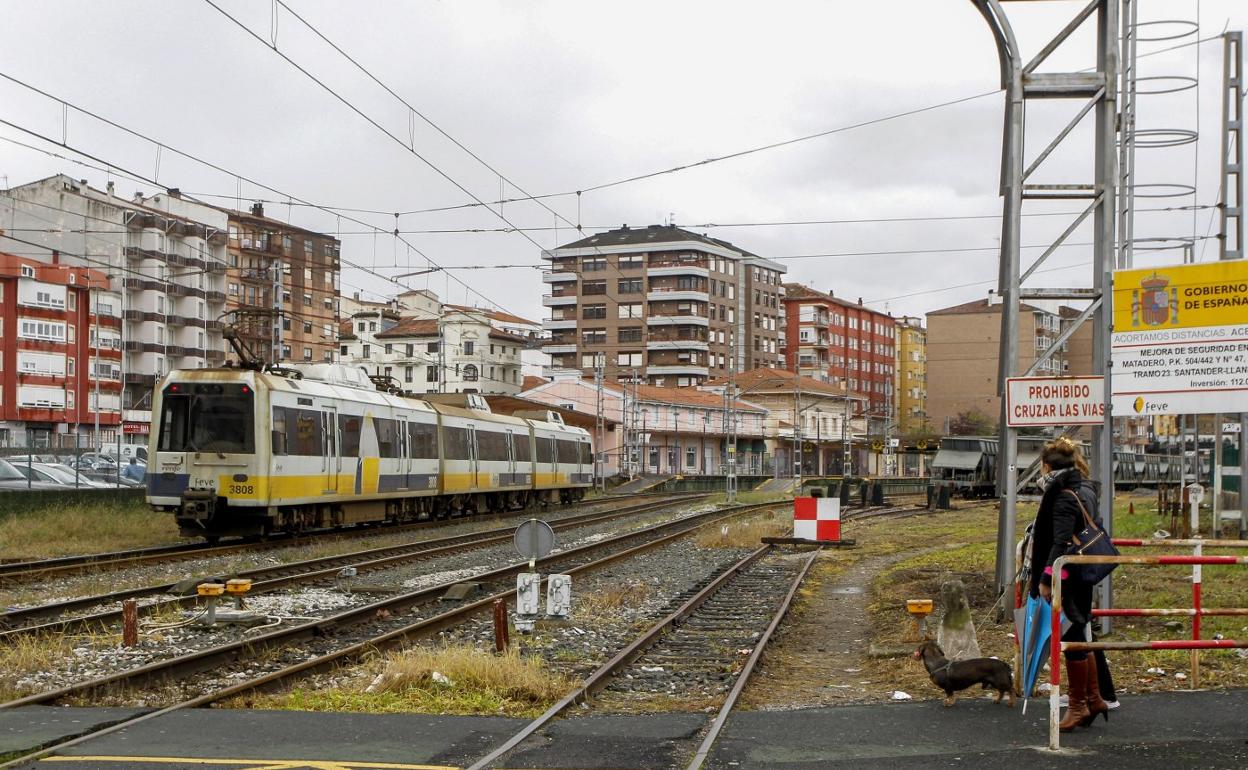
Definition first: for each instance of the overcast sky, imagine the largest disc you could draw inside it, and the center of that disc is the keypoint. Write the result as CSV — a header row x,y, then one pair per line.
x,y
564,96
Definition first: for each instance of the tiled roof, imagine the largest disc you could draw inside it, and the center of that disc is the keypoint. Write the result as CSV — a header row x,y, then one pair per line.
x,y
495,315
764,379
411,327
797,291
499,334
680,396
979,306
531,382
626,236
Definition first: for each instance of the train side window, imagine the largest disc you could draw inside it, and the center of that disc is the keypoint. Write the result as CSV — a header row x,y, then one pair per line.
x,y
279,430
491,445
388,444
568,451
423,440
522,448
308,434
457,447
545,449
587,454
349,431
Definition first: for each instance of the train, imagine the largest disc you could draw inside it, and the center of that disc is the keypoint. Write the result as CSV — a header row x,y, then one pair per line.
x,y
969,463
246,452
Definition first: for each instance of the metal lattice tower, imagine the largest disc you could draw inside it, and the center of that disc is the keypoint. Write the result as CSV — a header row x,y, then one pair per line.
x,y
600,424
1232,194
1097,91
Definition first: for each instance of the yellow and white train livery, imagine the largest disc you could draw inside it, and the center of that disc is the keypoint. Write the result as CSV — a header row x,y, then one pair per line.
x,y
242,452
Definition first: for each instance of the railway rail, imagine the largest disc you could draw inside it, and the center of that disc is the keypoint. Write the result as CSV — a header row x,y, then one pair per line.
x,y
701,641
23,622
347,636
26,571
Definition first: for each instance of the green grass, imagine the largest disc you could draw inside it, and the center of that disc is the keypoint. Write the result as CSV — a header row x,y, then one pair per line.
x,y
84,528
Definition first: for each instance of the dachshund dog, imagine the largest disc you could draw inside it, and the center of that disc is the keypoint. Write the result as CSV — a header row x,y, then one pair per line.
x,y
952,676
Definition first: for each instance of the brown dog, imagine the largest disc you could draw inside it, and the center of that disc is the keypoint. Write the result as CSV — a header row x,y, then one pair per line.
x,y
953,676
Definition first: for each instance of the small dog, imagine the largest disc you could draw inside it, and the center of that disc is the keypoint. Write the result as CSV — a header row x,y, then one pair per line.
x,y
952,676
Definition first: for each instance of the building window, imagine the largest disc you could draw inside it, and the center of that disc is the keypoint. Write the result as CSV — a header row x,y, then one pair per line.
x,y
431,374
469,346
432,347
307,300
366,351
307,327
410,350
389,348
593,287
593,264
594,336
470,373
629,334
407,373
594,311
629,286
307,354
343,350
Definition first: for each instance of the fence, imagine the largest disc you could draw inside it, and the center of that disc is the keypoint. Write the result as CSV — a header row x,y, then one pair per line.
x,y
1057,646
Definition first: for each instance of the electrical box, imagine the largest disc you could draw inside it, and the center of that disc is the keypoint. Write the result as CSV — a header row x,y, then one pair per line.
x,y
528,593
559,596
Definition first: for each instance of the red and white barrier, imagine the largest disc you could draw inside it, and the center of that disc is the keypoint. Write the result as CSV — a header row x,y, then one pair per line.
x,y
817,518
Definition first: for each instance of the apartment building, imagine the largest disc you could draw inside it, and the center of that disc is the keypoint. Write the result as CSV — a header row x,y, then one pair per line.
x,y
60,352
286,270
165,263
462,352
833,340
676,307
911,370
963,348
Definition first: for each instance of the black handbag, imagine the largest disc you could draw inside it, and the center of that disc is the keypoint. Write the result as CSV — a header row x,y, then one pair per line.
x,y
1091,541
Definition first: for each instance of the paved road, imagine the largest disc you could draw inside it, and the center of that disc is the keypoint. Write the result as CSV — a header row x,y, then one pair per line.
x,y
1180,730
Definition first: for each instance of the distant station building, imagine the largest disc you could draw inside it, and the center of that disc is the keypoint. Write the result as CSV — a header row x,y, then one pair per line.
x,y
963,348
911,372
835,341
61,369
294,274
672,306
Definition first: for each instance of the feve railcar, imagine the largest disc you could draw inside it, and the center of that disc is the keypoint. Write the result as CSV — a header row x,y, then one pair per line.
x,y
242,452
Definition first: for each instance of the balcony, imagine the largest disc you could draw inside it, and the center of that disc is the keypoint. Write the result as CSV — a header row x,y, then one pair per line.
x,y
134,346
669,294
142,284
214,296
143,315
559,300
660,269
550,276
676,319
693,370
256,275
215,356
555,348
553,324
820,342
688,340
133,378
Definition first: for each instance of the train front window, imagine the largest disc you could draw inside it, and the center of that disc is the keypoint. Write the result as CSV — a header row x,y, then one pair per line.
x,y
207,418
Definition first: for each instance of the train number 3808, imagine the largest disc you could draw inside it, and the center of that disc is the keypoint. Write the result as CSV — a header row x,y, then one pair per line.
x,y
242,489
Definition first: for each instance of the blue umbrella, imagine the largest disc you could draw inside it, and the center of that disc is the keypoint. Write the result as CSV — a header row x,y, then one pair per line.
x,y
1037,617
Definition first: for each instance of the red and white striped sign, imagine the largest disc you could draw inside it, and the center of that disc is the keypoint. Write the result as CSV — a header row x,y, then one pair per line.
x,y
817,518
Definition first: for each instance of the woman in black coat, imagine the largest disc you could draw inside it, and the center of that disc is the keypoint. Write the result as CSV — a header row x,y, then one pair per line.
x,y
1068,493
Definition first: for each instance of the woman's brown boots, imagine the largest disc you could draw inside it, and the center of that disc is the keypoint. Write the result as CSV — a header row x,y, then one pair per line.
x,y
1086,703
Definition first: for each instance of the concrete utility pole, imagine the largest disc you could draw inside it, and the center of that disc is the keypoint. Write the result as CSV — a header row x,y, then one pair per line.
x,y
730,428
600,425
1098,92
798,454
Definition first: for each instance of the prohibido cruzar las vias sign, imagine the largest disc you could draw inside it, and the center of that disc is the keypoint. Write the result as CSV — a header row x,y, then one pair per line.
x,y
1180,339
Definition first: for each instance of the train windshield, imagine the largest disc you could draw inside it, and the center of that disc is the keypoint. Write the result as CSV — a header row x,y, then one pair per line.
x,y
207,418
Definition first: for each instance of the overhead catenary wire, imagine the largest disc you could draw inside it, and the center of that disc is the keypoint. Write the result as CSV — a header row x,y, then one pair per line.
x,y
208,164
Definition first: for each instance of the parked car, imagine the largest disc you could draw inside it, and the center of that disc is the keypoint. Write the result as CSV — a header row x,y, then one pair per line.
x,y
58,474
93,461
12,479
38,458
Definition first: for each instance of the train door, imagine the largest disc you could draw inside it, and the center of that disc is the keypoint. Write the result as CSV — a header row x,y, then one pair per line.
x,y
405,452
472,454
511,457
554,460
331,462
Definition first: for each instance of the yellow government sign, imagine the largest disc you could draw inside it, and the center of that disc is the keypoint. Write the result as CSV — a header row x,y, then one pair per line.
x,y
1181,296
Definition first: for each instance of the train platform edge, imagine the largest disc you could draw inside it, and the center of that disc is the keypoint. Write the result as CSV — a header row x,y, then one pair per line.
x,y
1159,730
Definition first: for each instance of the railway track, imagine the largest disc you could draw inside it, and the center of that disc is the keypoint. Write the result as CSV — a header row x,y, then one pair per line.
x,y
709,646
12,573
347,636
26,621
